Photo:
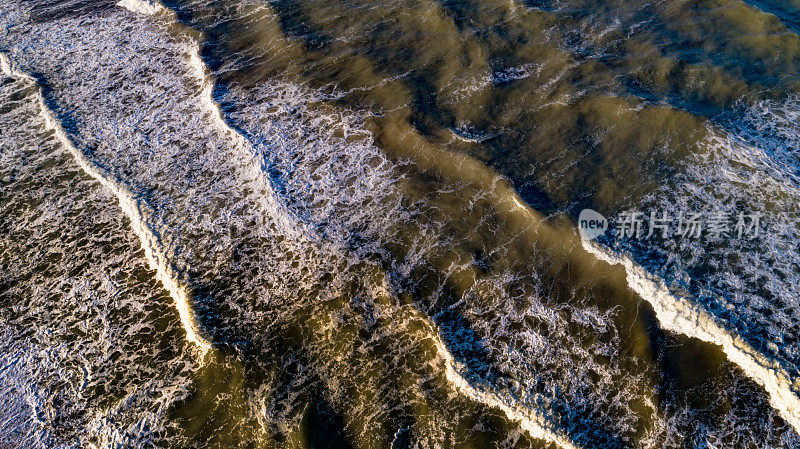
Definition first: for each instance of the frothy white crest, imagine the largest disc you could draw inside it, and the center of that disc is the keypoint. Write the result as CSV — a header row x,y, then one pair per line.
x,y
128,203
681,316
239,142
144,7
5,64
532,421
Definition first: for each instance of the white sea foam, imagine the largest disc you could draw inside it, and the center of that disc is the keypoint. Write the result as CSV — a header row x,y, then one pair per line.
x,y
532,421
145,7
255,170
679,315
746,299
517,73
150,242
85,318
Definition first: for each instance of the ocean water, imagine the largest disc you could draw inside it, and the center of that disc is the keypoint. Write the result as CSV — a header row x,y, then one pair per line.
x,y
347,224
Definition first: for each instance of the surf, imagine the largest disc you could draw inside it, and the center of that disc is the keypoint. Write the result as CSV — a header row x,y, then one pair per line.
x,y
155,256
679,315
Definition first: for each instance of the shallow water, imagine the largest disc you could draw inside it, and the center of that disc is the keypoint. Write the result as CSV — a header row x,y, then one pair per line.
x,y
353,224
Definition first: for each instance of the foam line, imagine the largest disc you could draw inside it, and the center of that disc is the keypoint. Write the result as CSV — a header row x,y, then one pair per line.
x,y
197,65
241,143
532,421
158,260
201,73
679,315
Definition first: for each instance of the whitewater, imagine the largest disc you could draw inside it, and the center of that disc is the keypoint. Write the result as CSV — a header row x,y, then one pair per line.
x,y
291,227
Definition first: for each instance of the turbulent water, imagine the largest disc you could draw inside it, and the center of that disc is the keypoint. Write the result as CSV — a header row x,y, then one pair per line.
x,y
353,224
